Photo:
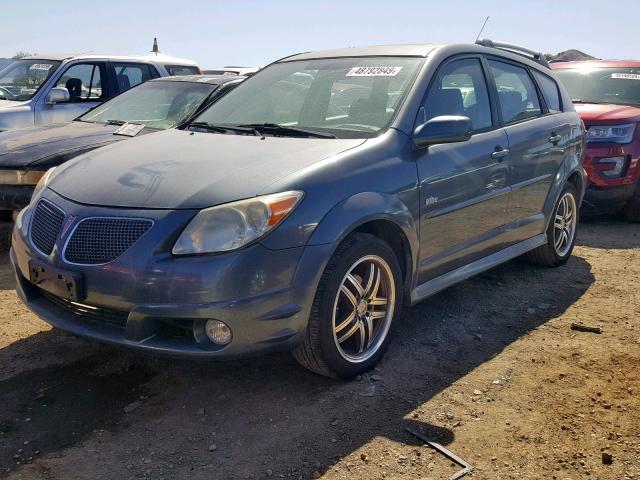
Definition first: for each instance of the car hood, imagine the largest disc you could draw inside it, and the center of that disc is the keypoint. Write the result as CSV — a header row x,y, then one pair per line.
x,y
179,169
48,145
10,104
595,113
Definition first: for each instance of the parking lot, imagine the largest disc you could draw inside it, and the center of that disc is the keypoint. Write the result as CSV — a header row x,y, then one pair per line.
x,y
489,368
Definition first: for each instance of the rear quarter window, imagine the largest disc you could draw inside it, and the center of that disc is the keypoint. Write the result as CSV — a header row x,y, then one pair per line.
x,y
182,70
550,92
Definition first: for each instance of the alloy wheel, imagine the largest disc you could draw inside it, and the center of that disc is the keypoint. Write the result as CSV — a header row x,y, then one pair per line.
x,y
565,222
363,308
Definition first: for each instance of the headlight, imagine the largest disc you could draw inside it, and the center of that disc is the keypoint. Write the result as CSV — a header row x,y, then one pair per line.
x,y
612,167
43,182
20,177
234,225
611,133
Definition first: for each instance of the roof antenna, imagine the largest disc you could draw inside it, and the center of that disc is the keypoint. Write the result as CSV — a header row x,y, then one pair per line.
x,y
482,29
155,45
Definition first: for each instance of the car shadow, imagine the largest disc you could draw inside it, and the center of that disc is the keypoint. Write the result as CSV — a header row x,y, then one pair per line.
x,y
268,410
608,232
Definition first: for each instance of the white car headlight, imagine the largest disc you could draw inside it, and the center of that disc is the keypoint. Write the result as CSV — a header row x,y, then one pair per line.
x,y
611,133
42,183
234,225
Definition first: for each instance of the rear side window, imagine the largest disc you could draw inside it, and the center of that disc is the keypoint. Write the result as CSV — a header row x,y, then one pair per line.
x,y
131,74
182,70
459,89
549,89
84,82
517,94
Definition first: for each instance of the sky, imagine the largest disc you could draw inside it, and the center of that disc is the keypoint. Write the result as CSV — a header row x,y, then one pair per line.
x,y
254,33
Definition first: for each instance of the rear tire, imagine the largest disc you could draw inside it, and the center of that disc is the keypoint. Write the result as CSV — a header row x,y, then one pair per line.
x,y
631,211
561,233
357,301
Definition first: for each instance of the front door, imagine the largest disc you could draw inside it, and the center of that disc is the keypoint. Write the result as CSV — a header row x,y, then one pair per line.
x,y
86,85
463,186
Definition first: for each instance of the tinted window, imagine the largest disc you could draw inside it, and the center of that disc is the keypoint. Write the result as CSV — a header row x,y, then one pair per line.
x,y
517,95
131,74
182,70
459,89
84,82
549,91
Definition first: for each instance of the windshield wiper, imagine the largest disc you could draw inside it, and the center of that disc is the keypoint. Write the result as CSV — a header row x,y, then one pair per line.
x,y
275,128
212,127
115,122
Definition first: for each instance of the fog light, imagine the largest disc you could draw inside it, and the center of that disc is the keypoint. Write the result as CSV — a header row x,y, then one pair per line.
x,y
218,332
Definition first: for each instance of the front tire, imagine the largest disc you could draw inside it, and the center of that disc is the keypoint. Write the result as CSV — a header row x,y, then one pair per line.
x,y
561,233
631,211
357,301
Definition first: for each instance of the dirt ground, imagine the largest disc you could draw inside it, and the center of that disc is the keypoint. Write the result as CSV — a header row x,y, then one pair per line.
x,y
489,368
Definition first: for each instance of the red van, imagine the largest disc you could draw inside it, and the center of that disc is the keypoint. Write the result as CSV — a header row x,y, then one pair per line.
x,y
606,94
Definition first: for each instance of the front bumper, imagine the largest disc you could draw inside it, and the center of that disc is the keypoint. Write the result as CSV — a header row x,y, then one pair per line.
x,y
150,300
606,200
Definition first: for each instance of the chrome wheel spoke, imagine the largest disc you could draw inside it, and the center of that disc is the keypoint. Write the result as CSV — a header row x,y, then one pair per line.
x,y
375,315
356,326
350,296
369,330
361,329
346,322
356,284
378,302
372,274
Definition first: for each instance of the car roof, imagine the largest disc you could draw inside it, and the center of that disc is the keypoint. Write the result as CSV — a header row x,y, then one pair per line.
x,y
596,64
161,58
408,50
211,79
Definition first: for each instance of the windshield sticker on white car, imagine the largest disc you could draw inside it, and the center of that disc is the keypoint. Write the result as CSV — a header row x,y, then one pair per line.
x,y
374,71
41,66
129,129
626,76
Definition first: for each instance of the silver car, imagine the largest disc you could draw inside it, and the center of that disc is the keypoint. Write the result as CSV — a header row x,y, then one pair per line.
x,y
58,88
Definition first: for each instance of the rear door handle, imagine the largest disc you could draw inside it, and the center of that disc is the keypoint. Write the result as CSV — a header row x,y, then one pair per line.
x,y
555,138
500,154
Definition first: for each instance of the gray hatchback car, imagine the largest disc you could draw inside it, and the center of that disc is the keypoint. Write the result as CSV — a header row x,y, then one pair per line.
x,y
306,207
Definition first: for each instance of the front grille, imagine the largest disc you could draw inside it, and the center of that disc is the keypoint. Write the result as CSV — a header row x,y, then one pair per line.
x,y
102,240
45,226
88,312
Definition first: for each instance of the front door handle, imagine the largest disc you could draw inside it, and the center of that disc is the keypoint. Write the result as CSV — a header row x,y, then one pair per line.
x,y
499,154
555,138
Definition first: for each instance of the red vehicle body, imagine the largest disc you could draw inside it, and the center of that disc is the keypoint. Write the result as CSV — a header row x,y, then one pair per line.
x,y
606,94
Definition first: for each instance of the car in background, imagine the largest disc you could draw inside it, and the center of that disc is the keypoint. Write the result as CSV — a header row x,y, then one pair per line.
x,y
48,89
606,94
245,71
26,154
277,219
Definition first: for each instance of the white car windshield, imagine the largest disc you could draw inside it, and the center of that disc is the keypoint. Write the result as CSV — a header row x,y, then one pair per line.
x,y
157,104
20,80
344,97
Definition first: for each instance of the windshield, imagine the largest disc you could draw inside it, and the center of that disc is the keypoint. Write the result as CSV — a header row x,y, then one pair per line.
x,y
348,97
159,104
20,80
620,86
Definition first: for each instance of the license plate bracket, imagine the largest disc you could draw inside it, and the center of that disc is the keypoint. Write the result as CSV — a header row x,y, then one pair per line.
x,y
61,283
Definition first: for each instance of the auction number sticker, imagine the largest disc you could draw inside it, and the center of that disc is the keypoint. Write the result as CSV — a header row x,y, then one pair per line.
x,y
374,71
129,129
41,66
626,76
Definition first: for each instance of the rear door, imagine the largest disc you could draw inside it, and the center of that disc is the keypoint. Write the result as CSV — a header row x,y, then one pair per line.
x,y
129,74
463,186
87,85
537,139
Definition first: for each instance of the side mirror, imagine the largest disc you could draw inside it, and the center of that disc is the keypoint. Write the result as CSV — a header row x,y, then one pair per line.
x,y
443,129
57,95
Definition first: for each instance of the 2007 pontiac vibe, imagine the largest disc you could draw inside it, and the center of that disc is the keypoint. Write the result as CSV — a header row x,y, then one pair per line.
x,y
307,206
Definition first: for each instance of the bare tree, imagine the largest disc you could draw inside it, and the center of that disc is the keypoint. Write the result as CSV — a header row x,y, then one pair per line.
x,y
22,54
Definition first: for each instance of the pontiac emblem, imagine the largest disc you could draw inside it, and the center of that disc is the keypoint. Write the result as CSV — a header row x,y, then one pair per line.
x,y
67,225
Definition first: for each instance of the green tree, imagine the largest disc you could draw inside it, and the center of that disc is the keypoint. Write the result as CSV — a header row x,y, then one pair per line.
x,y
22,54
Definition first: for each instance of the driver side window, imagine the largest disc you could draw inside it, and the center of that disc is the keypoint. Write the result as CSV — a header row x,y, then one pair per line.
x,y
459,89
84,82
